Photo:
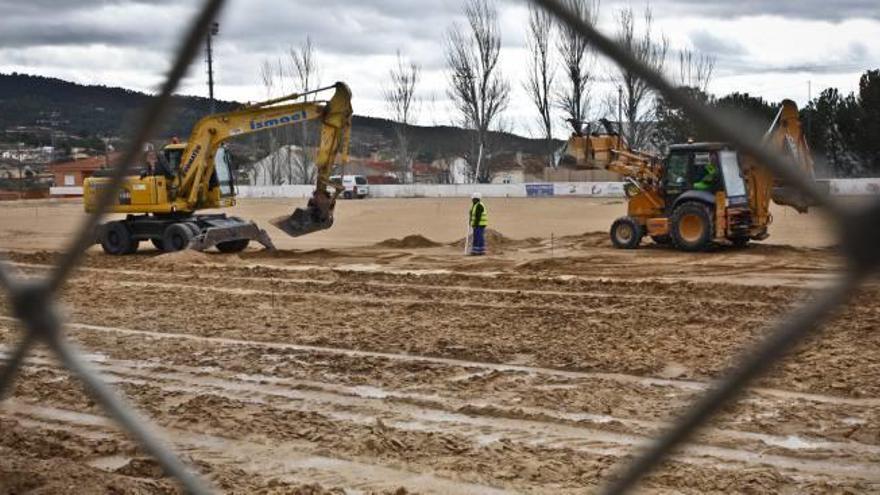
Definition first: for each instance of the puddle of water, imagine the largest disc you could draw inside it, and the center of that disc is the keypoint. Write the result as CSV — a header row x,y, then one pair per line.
x,y
794,442
369,392
109,463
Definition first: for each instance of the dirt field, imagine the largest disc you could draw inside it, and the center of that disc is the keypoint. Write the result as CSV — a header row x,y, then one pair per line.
x,y
360,360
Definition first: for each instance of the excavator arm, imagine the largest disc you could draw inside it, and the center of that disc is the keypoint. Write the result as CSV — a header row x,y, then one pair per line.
x,y
193,185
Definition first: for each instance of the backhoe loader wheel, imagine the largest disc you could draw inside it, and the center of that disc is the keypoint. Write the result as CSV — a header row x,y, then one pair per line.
x,y
116,239
233,246
176,237
626,233
662,240
692,227
158,244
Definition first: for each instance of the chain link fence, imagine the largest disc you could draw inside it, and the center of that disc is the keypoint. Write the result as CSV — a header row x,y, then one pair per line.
x,y
34,302
857,229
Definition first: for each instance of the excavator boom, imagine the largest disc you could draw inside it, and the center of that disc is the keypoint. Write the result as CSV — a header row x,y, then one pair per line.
x,y
335,138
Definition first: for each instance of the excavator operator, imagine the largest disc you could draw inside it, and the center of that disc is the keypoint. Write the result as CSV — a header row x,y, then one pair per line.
x,y
155,165
709,182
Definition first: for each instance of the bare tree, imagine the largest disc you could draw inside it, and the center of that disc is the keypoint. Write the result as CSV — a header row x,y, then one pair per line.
x,y
270,167
285,163
400,97
695,70
479,92
539,84
306,77
638,100
577,59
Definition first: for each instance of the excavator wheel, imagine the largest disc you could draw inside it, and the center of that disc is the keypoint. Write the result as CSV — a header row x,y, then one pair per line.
x,y
626,233
692,227
133,248
176,237
236,246
116,239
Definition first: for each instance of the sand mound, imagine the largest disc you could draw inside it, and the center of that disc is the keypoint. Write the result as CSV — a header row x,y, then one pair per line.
x,y
190,257
408,242
494,239
591,239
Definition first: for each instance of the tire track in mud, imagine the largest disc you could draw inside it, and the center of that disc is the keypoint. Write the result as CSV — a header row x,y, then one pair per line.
x,y
286,461
689,385
280,298
536,428
612,290
550,432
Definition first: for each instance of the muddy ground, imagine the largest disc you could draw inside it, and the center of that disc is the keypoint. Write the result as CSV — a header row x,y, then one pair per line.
x,y
400,366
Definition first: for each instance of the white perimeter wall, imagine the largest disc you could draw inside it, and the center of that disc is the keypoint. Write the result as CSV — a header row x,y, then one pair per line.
x,y
839,187
598,189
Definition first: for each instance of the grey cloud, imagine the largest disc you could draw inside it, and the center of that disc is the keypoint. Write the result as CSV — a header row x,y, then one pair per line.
x,y
708,43
823,10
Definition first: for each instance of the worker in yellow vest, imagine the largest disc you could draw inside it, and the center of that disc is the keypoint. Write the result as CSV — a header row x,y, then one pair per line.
x,y
479,219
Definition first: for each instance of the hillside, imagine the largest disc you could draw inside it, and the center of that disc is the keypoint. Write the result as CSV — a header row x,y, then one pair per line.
x,y
94,111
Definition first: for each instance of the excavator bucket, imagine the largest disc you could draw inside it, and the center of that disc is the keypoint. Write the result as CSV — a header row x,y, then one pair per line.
x,y
303,221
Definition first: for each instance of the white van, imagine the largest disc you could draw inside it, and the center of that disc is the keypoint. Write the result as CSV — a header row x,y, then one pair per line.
x,y
356,186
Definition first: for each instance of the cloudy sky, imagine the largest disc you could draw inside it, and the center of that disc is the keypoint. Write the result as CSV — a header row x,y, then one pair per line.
x,y
768,48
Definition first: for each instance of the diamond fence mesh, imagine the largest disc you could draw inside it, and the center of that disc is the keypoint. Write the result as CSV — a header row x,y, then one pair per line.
x,y
858,241
34,302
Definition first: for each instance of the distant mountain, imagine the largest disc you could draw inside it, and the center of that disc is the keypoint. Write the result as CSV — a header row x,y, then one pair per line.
x,y
94,111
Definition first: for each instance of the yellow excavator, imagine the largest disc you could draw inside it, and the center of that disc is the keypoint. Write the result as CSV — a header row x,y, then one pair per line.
x,y
701,194
161,203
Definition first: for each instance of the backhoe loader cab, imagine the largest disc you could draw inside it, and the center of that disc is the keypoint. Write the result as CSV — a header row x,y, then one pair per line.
x,y
700,198
703,194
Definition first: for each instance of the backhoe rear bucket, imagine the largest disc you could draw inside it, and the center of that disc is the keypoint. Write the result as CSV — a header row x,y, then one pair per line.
x,y
789,196
303,221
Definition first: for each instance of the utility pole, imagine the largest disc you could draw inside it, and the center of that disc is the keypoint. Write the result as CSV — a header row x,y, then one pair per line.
x,y
215,29
620,110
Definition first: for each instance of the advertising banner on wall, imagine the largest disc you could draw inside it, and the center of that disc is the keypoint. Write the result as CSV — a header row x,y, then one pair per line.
x,y
590,189
539,190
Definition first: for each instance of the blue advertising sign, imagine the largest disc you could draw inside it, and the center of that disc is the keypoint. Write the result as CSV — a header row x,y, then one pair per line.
x,y
539,190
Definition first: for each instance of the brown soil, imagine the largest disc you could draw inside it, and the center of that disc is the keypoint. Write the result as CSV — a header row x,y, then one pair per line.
x,y
394,370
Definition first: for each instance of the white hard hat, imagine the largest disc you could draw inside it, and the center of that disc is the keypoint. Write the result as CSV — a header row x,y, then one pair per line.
x,y
477,195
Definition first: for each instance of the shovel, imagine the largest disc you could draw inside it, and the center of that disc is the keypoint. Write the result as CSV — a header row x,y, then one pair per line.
x,y
467,239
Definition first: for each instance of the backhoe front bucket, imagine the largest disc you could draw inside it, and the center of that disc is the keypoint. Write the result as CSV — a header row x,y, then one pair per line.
x,y
303,221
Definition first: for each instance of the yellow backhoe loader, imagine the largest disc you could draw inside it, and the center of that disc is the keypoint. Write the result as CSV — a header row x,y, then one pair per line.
x,y
161,205
700,194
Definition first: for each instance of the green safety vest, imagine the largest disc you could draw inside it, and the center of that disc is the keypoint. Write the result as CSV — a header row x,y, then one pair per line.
x,y
484,217
708,181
